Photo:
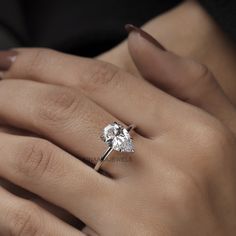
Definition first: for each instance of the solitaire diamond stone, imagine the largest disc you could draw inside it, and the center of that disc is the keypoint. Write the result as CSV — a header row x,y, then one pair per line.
x,y
118,138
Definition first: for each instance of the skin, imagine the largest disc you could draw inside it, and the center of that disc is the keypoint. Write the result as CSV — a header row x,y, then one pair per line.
x,y
185,151
217,104
201,40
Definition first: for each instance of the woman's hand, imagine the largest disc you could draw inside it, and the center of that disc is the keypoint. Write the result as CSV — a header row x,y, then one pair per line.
x,y
189,31
190,82
180,180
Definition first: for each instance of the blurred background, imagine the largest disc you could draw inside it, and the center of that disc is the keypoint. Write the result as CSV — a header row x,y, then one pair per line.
x,y
74,26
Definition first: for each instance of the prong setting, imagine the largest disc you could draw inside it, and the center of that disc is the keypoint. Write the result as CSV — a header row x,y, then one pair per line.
x,y
117,137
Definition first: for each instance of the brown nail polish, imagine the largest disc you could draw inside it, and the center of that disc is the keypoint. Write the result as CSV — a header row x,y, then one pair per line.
x,y
6,59
129,28
1,75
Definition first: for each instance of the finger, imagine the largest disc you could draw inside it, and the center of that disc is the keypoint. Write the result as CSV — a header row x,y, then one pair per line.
x,y
182,78
42,168
120,57
16,131
117,91
21,217
63,116
89,231
56,211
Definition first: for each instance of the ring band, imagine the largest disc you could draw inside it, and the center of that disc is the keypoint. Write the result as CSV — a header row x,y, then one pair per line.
x,y
118,138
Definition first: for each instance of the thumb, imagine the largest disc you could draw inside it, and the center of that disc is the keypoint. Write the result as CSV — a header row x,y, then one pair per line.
x,y
183,78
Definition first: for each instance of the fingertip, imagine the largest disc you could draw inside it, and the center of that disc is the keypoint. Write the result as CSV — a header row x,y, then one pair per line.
x,y
146,36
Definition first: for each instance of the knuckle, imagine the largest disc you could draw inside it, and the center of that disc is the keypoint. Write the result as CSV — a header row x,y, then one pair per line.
x,y
24,220
211,137
182,190
58,106
202,77
219,142
37,62
214,144
34,158
101,75
198,71
202,71
206,78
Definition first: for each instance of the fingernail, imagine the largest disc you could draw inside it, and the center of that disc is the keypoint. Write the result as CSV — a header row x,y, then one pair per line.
x,y
129,28
7,58
1,75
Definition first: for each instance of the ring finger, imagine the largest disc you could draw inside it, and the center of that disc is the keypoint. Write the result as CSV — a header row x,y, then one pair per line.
x,y
67,118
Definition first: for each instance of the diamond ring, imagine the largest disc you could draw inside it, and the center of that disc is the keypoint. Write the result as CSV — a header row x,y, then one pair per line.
x,y
117,137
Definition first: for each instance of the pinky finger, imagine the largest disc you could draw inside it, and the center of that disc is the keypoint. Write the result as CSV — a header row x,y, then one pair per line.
x,y
21,217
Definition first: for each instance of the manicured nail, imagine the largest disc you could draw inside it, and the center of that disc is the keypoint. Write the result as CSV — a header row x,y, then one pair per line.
x,y
6,59
129,28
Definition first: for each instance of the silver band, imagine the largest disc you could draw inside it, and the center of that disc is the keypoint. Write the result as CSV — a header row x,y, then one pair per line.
x,y
111,149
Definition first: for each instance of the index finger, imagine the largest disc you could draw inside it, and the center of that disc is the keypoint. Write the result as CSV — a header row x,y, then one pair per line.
x,y
128,98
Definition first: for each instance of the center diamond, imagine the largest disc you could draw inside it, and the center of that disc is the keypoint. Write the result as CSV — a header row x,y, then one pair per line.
x,y
118,138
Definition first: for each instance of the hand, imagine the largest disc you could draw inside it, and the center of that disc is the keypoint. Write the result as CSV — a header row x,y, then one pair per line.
x,y
193,84
181,179
202,40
